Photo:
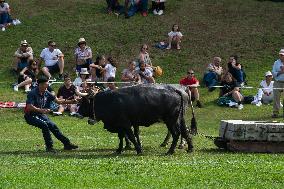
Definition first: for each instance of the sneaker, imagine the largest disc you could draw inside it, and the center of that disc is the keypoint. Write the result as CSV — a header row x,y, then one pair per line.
x,y
18,21
232,104
198,104
16,88
70,147
57,113
27,90
14,22
3,29
155,12
160,12
72,113
144,14
60,77
240,106
168,47
258,103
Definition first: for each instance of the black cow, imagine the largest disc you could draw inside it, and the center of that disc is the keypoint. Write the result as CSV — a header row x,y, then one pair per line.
x,y
142,105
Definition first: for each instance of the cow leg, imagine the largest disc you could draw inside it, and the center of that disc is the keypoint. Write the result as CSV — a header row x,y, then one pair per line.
x,y
182,143
127,142
185,134
131,136
175,134
136,134
166,140
121,135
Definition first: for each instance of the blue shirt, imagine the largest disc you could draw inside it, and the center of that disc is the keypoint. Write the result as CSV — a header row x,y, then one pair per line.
x,y
39,101
276,68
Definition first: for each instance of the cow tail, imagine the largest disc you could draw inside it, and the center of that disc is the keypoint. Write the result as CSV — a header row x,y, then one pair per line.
x,y
181,120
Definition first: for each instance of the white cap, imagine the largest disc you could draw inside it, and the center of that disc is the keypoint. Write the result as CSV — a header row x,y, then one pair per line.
x,y
268,74
281,52
84,71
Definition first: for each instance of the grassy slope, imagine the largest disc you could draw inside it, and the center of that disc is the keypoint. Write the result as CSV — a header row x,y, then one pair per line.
x,y
252,29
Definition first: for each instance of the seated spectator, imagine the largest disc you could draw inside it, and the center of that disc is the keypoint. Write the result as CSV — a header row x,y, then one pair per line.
x,y
175,37
145,74
53,60
192,83
27,76
236,69
22,56
67,92
265,92
110,68
213,73
135,6
97,69
83,76
114,6
5,18
158,7
83,55
231,90
111,85
145,57
130,75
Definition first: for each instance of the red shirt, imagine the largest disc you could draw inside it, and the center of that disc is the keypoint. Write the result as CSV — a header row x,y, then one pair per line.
x,y
186,81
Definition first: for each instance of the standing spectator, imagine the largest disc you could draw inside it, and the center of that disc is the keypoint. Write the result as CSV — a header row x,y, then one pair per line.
x,y
22,56
278,73
37,105
192,83
135,6
265,92
236,69
145,74
5,18
83,55
27,76
53,60
231,90
110,68
158,7
129,74
213,73
175,36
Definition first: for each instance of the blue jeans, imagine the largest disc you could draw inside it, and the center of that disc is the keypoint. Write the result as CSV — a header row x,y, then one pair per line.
x,y
141,6
4,18
46,125
210,79
22,64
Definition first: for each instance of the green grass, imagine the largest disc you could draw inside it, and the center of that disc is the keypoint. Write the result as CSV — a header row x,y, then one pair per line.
x,y
252,29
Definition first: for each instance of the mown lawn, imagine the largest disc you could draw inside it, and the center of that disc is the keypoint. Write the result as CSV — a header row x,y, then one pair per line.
x,y
252,29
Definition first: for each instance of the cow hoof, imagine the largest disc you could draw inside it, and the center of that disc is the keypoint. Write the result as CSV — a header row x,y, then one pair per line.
x,y
190,150
118,152
92,121
164,144
127,147
139,152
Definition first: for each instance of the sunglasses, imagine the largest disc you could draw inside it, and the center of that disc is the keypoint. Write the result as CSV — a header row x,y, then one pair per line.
x,y
191,73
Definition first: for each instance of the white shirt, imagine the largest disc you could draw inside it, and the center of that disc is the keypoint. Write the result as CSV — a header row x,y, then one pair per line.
x,y
147,73
50,58
174,34
5,8
77,82
110,71
267,88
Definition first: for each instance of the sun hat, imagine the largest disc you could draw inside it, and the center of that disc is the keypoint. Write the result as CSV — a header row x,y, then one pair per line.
x,y
84,71
268,73
24,42
81,41
281,52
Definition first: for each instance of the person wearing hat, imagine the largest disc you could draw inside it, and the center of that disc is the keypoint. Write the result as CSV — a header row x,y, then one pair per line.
x,y
5,18
22,56
265,92
37,106
278,74
83,55
53,60
83,76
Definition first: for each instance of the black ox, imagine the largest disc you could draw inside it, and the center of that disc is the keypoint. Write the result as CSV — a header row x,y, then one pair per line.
x,y
142,105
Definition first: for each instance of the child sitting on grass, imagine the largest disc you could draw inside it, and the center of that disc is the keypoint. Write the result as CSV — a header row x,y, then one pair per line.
x,y
175,36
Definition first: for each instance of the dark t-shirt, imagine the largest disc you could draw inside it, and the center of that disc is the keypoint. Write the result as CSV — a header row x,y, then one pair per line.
x,y
66,93
228,87
40,101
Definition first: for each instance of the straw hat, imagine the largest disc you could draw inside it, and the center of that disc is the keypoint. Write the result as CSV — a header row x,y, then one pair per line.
x,y
24,43
81,41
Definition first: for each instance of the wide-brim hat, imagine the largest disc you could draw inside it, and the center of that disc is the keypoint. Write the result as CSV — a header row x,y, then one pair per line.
x,y
81,41
84,71
24,42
